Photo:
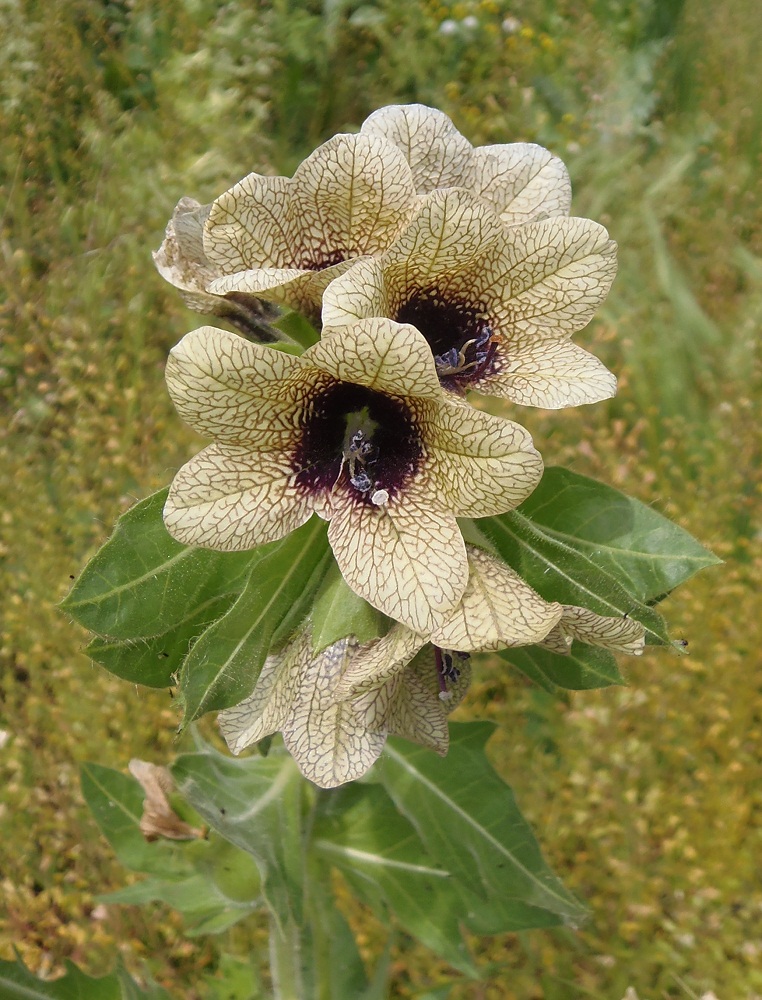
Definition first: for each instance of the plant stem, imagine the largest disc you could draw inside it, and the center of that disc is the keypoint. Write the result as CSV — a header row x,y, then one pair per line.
x,y
286,961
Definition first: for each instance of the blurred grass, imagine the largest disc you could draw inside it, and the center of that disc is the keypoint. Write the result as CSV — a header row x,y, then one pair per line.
x,y
647,799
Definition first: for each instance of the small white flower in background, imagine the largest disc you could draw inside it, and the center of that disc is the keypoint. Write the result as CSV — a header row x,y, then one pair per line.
x,y
448,27
358,430
283,239
511,25
470,22
497,304
521,181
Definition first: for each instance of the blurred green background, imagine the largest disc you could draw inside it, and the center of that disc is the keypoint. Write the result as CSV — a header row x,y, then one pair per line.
x,y
647,799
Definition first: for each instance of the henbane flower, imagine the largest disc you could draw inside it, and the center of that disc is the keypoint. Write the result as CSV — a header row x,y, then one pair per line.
x,y
522,181
357,430
497,304
182,262
283,239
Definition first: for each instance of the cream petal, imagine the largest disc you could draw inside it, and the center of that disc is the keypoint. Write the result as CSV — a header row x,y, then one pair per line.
x,y
378,353
376,663
402,558
180,259
498,609
358,294
621,635
409,706
248,226
232,498
329,741
265,711
300,290
544,281
551,374
522,181
436,151
351,196
229,388
480,464
451,230
557,641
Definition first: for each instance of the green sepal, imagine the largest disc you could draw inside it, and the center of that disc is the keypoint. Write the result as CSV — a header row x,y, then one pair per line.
x,y
338,612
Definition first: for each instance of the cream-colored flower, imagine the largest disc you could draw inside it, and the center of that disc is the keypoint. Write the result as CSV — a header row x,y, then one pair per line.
x,y
284,239
181,261
498,610
521,181
329,741
335,741
358,430
497,304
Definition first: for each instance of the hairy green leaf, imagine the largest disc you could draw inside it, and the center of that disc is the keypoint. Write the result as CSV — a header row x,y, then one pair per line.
x,y
560,572
585,667
645,551
360,832
223,665
339,612
468,820
142,582
18,983
155,661
255,804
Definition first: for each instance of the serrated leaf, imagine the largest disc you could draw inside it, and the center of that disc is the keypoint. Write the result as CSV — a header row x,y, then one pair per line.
x,y
116,802
583,669
255,804
468,820
339,612
18,983
142,582
156,661
222,667
361,833
560,572
649,554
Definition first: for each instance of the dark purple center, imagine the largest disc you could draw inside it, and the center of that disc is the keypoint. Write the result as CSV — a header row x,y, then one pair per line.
x,y
459,335
319,260
354,438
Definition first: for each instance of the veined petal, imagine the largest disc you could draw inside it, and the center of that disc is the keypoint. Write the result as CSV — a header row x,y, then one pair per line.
x,y
436,151
551,374
180,259
522,181
498,609
351,196
480,464
248,226
329,741
402,558
621,635
227,387
380,354
360,292
299,289
409,706
379,661
265,710
545,280
451,229
232,498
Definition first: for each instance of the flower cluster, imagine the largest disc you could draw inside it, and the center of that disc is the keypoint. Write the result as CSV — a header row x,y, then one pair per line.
x,y
431,268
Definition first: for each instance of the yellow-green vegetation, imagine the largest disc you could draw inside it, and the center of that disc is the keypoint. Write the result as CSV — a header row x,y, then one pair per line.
x,y
647,799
